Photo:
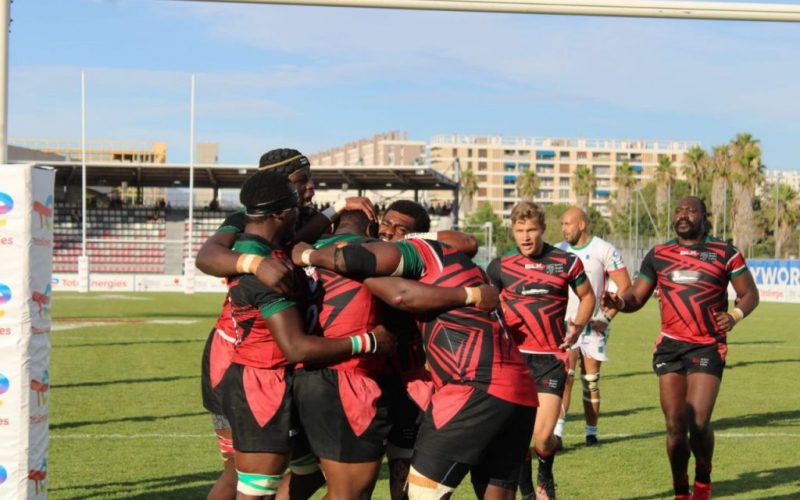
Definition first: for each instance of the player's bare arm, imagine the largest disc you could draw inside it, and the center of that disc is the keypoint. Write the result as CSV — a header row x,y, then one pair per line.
x,y
289,331
216,258
415,297
585,310
746,301
462,242
623,282
633,299
354,261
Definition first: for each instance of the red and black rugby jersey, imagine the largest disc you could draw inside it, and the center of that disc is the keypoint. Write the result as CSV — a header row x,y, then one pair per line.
x,y
534,294
693,285
252,302
345,307
465,345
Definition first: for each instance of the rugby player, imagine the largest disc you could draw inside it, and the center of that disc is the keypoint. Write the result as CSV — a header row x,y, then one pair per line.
x,y
270,336
600,261
480,379
534,279
405,218
217,259
344,407
692,273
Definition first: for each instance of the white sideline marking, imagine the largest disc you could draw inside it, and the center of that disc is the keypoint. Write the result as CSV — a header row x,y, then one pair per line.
x,y
104,296
63,325
210,435
733,435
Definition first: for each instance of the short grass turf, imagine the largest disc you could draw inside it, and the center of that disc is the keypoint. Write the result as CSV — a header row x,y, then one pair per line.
x,y
126,419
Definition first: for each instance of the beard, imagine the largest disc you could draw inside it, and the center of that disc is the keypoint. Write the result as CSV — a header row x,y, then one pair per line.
x,y
693,232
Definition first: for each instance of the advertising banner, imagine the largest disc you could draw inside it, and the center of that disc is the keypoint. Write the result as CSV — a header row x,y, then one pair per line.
x,y
777,280
26,256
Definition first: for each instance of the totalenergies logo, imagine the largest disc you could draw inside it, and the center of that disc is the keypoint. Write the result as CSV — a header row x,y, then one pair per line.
x,y
39,477
40,387
45,211
5,297
6,206
42,301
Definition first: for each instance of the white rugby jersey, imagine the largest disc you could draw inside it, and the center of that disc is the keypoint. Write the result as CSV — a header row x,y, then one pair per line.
x,y
599,259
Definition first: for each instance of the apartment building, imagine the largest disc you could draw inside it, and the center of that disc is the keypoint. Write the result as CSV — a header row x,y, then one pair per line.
x,y
388,148
496,161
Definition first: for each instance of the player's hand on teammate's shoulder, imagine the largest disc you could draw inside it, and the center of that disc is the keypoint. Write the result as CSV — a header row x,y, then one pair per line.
x,y
361,203
386,340
277,274
490,298
297,252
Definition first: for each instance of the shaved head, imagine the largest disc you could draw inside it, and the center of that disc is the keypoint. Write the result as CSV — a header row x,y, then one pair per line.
x,y
573,226
576,214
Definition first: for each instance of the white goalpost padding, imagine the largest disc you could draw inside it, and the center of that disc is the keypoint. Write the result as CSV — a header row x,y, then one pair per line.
x,y
26,262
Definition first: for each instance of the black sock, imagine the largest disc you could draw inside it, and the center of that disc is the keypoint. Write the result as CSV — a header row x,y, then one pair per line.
x,y
682,487
526,477
702,475
545,465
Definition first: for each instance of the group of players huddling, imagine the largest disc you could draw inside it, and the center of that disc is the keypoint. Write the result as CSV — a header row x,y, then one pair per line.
x,y
334,349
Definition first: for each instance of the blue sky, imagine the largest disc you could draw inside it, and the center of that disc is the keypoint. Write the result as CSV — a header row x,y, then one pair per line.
x,y
312,78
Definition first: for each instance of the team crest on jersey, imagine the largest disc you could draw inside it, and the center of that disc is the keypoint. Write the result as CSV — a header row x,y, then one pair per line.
x,y
554,268
708,256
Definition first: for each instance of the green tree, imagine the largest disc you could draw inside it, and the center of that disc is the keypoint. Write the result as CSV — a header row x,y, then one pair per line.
x,y
477,219
693,169
720,172
583,183
527,185
625,178
785,215
469,188
747,173
665,174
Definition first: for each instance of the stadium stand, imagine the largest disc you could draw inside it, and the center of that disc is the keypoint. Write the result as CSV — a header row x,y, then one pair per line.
x,y
121,240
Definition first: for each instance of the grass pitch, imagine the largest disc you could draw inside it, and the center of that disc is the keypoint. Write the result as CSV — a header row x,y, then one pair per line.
x,y
126,419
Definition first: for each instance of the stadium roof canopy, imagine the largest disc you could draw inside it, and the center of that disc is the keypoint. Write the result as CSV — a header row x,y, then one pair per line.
x,y
366,177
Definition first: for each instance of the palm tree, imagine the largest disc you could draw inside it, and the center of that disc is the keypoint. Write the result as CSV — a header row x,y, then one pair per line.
x,y
469,188
787,214
625,179
583,183
527,184
693,170
665,173
746,174
720,172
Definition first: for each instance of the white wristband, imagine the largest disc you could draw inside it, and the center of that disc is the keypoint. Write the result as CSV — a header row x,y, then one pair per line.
x,y
430,235
329,212
306,256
